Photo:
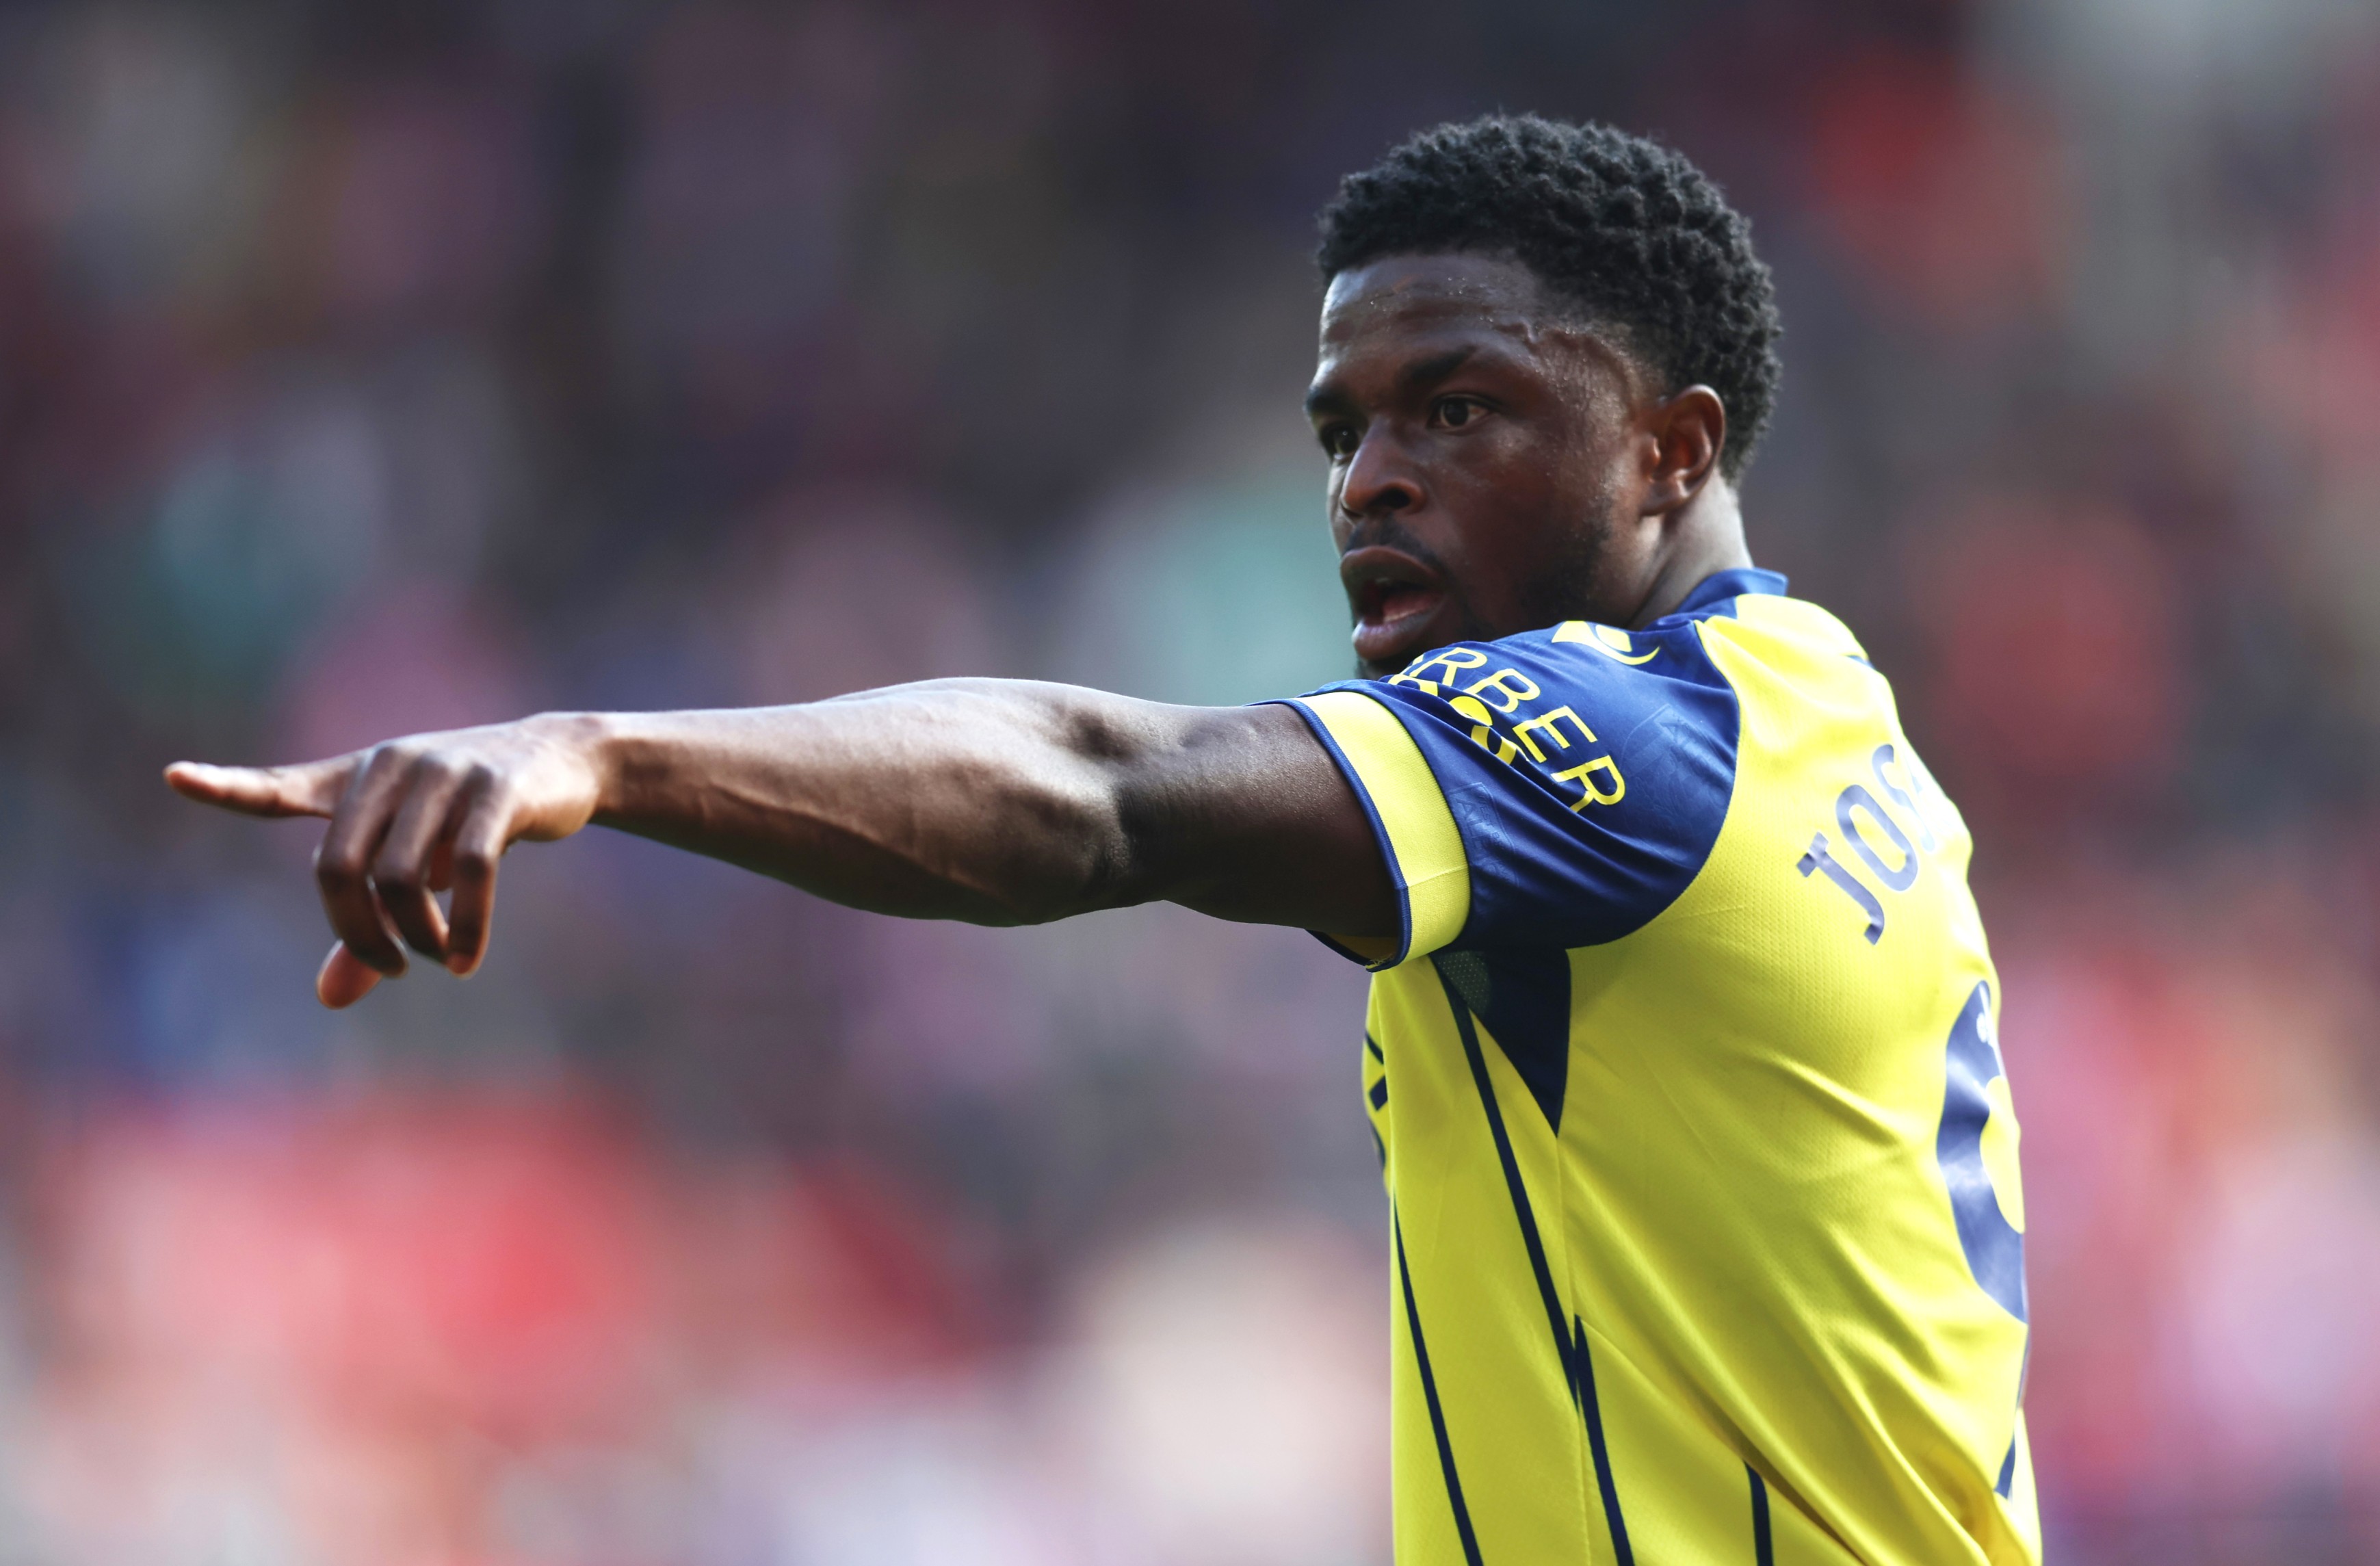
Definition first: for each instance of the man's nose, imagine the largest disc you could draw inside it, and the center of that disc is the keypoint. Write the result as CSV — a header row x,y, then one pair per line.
x,y
1381,480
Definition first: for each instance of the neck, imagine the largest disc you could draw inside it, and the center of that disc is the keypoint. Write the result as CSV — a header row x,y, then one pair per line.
x,y
1705,536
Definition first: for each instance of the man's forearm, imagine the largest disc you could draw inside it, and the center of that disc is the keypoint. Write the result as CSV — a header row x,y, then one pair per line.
x,y
993,801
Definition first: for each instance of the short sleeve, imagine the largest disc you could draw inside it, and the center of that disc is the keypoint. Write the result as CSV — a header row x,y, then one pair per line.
x,y
1555,789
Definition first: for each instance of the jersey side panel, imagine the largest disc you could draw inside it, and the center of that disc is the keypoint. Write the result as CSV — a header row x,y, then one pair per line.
x,y
1687,1494
1426,1479
1428,1488
1502,1395
1559,1483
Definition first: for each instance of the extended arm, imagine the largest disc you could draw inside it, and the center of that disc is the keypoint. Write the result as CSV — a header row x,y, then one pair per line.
x,y
993,801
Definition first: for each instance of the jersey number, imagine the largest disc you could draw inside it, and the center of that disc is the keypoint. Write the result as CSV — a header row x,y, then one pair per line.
x,y
1987,1203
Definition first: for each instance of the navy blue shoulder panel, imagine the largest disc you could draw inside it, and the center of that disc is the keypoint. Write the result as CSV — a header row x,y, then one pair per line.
x,y
1587,769
1716,593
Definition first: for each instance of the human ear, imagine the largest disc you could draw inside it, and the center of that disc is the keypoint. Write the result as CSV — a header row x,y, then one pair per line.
x,y
1687,433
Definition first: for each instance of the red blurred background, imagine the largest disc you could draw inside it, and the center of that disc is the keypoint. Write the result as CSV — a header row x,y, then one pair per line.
x,y
365,369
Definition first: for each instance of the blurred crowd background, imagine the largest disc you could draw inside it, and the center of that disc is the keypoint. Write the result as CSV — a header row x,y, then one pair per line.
x,y
366,368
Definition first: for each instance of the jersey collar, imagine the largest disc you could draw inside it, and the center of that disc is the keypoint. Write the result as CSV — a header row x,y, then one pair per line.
x,y
1720,585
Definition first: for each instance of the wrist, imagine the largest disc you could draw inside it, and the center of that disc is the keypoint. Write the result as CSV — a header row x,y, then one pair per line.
x,y
595,746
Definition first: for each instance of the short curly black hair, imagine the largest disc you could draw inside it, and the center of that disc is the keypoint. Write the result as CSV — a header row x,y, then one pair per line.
x,y
1625,229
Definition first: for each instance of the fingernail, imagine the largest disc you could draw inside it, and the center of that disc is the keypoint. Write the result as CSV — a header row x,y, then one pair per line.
x,y
460,965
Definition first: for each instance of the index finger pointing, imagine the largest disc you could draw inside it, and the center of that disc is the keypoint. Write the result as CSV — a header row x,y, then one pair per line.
x,y
313,788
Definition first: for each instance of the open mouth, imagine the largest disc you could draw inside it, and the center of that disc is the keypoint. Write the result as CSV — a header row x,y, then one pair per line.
x,y
1394,597
1381,603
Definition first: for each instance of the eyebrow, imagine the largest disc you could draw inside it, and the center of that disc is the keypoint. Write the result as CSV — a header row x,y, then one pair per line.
x,y
1436,368
1418,375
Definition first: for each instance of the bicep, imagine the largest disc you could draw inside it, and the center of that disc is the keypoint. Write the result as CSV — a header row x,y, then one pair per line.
x,y
1243,815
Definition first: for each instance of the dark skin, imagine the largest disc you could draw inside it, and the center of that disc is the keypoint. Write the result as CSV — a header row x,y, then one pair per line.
x,y
1496,466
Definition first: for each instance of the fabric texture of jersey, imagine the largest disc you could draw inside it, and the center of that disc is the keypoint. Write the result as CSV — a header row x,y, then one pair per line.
x,y
1706,1232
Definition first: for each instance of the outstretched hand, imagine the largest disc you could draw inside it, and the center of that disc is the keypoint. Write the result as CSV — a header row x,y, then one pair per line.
x,y
412,818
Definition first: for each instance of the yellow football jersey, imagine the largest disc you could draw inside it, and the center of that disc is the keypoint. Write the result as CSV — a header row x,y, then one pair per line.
x,y
1705,1220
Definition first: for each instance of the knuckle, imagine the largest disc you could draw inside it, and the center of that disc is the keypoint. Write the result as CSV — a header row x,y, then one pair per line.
x,y
338,869
393,756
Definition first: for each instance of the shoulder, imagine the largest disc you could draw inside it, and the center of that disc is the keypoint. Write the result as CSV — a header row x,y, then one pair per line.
x,y
1573,779
1586,769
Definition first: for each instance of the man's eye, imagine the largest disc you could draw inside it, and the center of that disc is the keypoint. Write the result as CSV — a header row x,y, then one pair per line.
x,y
1338,442
1454,413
